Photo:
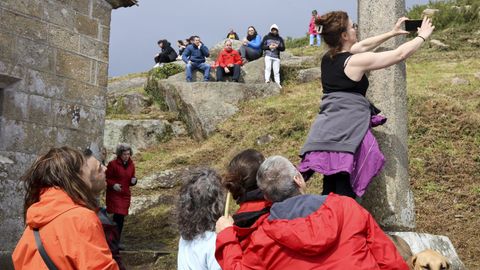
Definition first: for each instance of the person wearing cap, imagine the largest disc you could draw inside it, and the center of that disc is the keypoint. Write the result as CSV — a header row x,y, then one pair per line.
x,y
272,45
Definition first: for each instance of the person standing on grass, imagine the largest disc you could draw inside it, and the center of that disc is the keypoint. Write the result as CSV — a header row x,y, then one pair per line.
x,y
312,30
272,45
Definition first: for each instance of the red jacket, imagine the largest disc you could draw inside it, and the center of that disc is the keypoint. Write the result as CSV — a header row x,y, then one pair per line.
x,y
225,58
119,202
71,234
310,232
311,27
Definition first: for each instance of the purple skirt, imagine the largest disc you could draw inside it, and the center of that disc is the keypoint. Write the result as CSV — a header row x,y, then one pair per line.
x,y
362,166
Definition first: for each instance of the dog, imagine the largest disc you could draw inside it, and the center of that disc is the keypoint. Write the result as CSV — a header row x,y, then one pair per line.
x,y
429,259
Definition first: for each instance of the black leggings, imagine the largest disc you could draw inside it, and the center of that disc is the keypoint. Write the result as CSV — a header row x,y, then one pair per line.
x,y
338,183
119,220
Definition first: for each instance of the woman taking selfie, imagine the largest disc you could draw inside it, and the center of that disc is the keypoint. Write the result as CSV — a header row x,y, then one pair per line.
x,y
340,144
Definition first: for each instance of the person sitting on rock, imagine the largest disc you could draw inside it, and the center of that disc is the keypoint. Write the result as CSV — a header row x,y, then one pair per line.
x,y
273,44
167,54
232,35
194,56
200,204
304,231
229,62
252,46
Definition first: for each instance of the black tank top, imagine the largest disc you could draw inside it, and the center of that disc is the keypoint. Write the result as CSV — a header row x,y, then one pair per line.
x,y
334,77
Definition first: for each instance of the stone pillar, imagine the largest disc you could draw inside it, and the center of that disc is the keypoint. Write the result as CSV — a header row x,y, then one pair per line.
x,y
389,197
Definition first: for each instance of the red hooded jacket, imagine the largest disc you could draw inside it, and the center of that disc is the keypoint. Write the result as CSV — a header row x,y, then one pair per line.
x,y
71,234
310,232
225,58
118,202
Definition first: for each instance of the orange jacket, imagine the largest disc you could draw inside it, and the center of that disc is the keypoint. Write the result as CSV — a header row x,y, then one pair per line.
x,y
71,234
226,58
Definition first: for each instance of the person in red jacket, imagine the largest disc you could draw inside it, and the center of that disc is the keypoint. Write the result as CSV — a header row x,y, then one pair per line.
x,y
120,176
229,62
241,181
60,206
305,231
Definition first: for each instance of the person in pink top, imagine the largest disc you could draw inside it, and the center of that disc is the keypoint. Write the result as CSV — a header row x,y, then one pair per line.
x,y
312,30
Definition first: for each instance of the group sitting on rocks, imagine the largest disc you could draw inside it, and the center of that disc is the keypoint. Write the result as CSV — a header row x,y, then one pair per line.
x,y
229,61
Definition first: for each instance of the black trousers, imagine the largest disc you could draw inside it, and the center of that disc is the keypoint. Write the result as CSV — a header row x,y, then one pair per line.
x,y
119,220
234,72
162,58
338,183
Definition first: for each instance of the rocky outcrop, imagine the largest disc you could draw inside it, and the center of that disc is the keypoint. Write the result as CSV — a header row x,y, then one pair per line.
x,y
202,106
437,44
122,85
128,103
139,134
309,75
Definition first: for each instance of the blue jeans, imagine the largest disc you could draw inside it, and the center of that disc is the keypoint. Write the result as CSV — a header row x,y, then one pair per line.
x,y
201,66
312,37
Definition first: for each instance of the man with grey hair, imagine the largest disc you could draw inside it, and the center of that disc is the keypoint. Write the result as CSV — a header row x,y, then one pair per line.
x,y
304,231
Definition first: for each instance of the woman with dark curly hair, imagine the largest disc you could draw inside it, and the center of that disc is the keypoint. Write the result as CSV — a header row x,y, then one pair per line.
x,y
241,181
340,144
200,204
60,215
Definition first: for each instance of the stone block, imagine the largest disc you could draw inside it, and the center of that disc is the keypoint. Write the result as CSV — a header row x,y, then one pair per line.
x,y
73,66
94,48
92,119
66,115
104,33
63,39
20,163
25,26
27,137
79,140
81,6
6,46
421,241
40,110
102,74
44,84
33,8
85,94
11,70
34,55
60,14
15,105
6,259
11,211
86,25
102,11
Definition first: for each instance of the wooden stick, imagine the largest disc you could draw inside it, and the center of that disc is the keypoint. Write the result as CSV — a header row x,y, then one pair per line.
x,y
227,204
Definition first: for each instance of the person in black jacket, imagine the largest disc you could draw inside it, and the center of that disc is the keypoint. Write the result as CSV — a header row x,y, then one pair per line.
x,y
272,45
167,53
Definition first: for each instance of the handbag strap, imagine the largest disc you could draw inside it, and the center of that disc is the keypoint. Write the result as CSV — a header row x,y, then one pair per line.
x,y
43,253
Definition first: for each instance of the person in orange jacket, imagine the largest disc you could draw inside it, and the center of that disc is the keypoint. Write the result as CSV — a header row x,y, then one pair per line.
x,y
229,62
60,206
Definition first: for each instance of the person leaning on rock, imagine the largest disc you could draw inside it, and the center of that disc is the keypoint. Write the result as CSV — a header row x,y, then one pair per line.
x,y
229,62
194,56
304,231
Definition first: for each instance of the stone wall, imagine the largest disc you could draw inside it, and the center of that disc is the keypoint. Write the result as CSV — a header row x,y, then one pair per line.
x,y
53,78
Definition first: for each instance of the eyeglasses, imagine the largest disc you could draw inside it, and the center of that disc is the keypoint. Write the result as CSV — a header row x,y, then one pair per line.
x,y
355,26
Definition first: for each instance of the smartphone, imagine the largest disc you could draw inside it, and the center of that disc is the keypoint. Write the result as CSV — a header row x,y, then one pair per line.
x,y
412,25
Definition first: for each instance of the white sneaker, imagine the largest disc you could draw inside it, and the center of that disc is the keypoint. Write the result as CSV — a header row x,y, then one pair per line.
x,y
156,65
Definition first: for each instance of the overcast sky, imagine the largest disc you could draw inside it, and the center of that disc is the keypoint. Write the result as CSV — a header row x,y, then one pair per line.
x,y
136,30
